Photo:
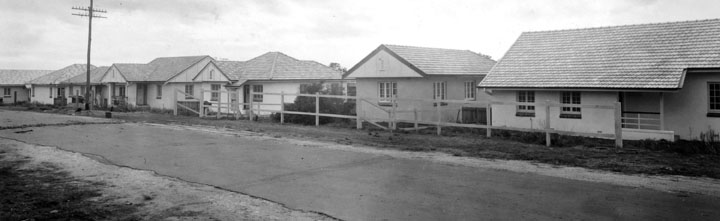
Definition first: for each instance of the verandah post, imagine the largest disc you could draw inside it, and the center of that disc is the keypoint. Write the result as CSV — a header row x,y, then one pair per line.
x,y
217,116
251,96
358,107
394,112
618,125
547,123
415,119
282,107
488,120
439,116
175,101
317,108
201,102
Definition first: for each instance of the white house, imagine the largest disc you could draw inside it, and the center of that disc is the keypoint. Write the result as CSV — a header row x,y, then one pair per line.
x,y
665,75
50,89
76,87
409,72
12,84
275,72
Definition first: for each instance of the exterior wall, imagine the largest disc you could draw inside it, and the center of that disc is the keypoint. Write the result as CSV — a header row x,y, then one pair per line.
x,y
383,64
593,120
43,92
22,94
686,111
190,73
113,76
417,88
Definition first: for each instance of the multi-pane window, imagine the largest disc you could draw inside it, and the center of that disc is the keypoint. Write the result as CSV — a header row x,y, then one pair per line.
x,y
714,97
121,92
61,92
570,97
6,92
159,91
351,89
211,74
439,90
470,90
215,94
387,91
526,110
189,91
257,93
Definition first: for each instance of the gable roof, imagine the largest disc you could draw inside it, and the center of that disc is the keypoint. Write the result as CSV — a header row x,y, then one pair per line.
x,y
165,68
58,76
95,76
133,71
20,77
277,66
646,56
435,61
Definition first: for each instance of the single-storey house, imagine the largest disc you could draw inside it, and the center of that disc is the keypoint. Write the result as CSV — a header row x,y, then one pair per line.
x,y
12,84
76,87
275,72
665,75
153,84
409,72
50,89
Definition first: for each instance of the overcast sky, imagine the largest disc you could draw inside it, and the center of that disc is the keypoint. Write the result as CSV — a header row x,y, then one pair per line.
x,y
42,34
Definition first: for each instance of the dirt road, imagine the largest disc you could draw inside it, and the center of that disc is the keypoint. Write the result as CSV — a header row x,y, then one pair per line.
x,y
355,185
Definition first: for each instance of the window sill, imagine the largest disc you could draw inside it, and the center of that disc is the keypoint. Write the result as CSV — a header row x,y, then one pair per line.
x,y
524,114
441,104
158,97
385,104
571,116
711,114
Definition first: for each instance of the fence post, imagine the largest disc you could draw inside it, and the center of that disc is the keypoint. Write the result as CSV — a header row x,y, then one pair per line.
x,y
618,125
282,107
250,105
488,120
547,123
358,108
415,120
219,103
317,108
439,116
202,104
394,112
175,103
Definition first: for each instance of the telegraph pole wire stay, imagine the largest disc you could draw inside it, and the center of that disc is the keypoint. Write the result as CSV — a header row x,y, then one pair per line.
x,y
90,13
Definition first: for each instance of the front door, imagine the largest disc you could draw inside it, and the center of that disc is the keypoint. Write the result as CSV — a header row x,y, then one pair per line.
x,y
246,94
141,94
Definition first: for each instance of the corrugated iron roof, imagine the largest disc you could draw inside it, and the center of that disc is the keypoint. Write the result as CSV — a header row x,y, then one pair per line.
x,y
20,77
646,56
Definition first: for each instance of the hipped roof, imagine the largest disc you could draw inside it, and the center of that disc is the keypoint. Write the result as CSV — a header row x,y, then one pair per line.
x,y
58,76
20,77
276,66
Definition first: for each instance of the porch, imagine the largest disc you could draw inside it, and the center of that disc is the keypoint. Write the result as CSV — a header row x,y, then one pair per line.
x,y
643,116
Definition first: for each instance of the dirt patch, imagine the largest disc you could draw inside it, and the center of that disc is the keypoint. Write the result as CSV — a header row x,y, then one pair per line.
x,y
40,183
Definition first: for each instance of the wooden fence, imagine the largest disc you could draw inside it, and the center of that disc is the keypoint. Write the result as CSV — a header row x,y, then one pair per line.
x,y
254,108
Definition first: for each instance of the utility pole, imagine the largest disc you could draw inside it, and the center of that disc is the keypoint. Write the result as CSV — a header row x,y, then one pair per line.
x,y
89,12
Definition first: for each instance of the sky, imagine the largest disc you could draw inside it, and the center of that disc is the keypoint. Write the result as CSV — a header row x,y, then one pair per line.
x,y
42,34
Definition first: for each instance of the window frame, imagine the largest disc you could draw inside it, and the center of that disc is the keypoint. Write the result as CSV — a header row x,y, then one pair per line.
x,y
189,91
713,112
7,92
386,90
257,88
215,96
51,91
211,74
525,109
158,91
121,92
440,88
32,91
470,90
571,97
60,92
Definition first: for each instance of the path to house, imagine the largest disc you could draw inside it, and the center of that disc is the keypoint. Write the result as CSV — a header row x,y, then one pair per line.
x,y
348,184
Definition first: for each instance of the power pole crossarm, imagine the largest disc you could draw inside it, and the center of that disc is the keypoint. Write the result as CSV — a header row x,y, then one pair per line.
x,y
90,13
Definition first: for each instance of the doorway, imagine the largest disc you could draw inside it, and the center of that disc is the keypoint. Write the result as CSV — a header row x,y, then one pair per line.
x,y
141,94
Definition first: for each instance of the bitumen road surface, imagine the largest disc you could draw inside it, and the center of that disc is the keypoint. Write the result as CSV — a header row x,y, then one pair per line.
x,y
353,185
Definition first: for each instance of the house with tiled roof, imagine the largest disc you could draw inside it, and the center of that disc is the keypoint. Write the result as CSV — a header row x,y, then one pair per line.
x,y
12,84
276,72
665,75
51,89
409,72
76,87
153,84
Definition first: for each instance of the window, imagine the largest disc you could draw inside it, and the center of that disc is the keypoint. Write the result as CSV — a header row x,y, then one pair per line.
x,y
211,74
380,64
470,90
50,90
439,90
82,91
525,110
32,91
61,92
214,96
121,92
257,89
570,98
714,99
189,91
351,89
387,90
6,92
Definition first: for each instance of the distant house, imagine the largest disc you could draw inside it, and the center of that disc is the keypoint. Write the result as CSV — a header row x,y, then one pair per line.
x,y
12,84
666,75
409,72
275,72
76,87
153,84
51,89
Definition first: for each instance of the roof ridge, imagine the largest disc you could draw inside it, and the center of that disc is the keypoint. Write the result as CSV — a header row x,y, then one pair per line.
x,y
272,68
627,25
410,46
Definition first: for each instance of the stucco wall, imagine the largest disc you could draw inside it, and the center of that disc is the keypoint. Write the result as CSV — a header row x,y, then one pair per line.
x,y
389,67
417,88
592,121
22,94
42,93
686,110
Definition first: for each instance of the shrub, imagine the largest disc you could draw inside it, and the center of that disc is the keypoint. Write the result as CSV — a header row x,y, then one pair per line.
x,y
327,105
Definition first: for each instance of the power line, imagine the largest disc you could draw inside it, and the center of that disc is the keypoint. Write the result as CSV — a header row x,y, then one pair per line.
x,y
90,13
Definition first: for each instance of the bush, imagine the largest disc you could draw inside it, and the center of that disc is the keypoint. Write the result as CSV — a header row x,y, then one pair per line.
x,y
327,105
